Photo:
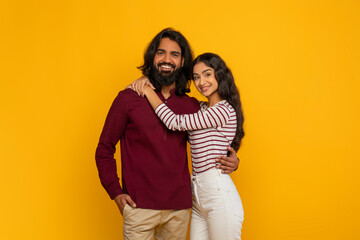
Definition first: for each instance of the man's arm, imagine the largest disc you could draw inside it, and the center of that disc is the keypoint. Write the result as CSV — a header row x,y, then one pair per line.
x,y
113,129
228,164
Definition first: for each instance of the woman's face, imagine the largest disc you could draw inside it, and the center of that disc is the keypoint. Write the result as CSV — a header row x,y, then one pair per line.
x,y
204,79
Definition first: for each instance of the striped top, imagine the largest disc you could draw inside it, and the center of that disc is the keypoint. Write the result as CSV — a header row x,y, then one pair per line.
x,y
211,131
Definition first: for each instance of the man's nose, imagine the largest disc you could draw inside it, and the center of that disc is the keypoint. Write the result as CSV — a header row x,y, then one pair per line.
x,y
167,58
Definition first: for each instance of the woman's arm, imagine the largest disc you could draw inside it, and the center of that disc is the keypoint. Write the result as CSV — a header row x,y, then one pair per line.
x,y
215,116
152,97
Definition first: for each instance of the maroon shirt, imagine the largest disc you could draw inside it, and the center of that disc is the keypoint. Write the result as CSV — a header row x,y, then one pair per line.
x,y
153,159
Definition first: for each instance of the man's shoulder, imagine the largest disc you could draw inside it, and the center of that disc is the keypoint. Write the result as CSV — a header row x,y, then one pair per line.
x,y
187,99
187,104
124,97
127,93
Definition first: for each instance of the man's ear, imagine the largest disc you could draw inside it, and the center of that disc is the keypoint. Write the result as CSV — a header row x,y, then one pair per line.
x,y
182,62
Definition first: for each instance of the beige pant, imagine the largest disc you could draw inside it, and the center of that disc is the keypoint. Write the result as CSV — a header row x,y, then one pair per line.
x,y
145,224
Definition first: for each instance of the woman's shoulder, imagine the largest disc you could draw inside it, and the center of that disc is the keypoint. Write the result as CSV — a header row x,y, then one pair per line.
x,y
226,106
223,103
203,105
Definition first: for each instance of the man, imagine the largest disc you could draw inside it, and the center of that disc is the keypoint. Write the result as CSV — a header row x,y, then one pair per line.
x,y
155,197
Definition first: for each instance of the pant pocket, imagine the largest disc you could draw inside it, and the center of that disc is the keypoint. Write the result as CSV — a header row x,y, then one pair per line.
x,y
128,211
232,196
236,204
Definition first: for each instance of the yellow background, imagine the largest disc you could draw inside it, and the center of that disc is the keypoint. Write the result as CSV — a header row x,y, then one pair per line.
x,y
296,64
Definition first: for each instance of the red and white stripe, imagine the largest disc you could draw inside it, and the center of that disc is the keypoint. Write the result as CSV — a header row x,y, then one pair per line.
x,y
211,131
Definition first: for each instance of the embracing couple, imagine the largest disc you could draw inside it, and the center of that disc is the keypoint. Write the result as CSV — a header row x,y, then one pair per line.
x,y
153,119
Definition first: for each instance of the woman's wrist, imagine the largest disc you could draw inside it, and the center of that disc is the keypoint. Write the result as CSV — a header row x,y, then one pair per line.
x,y
147,88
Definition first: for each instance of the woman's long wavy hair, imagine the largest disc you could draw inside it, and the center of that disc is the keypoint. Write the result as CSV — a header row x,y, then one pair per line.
x,y
227,90
183,82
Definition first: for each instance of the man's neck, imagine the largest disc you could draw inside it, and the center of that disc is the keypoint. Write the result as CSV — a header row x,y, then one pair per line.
x,y
165,90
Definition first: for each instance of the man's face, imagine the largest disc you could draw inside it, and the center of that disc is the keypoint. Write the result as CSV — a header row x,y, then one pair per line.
x,y
168,57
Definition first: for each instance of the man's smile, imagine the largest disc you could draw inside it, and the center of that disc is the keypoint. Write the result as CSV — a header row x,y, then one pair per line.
x,y
166,67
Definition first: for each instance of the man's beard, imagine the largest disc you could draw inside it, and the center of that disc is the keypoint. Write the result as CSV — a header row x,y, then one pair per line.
x,y
164,80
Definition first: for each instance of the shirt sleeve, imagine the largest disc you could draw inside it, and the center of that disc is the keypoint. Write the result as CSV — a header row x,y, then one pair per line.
x,y
113,130
216,116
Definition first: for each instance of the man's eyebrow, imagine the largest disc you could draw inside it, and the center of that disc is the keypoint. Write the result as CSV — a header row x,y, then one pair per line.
x,y
163,50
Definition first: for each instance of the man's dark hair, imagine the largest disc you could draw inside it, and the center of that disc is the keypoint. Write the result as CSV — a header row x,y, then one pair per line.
x,y
183,81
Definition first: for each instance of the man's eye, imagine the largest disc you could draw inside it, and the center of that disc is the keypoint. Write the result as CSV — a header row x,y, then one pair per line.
x,y
159,53
196,77
207,75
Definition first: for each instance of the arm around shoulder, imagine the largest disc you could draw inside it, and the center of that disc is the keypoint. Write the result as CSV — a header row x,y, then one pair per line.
x,y
152,97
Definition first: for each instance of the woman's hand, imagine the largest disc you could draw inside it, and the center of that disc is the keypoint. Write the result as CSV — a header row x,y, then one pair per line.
x,y
139,84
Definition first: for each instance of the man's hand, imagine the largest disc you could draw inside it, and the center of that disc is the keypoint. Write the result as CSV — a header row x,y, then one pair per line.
x,y
228,164
123,199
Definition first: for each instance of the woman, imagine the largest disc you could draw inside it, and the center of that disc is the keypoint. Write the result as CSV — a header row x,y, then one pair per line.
x,y
217,211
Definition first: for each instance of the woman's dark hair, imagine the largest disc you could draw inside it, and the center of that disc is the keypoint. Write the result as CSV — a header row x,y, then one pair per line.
x,y
183,82
227,90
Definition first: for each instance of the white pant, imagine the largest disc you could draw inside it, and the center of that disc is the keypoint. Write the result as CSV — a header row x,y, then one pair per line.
x,y
217,211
